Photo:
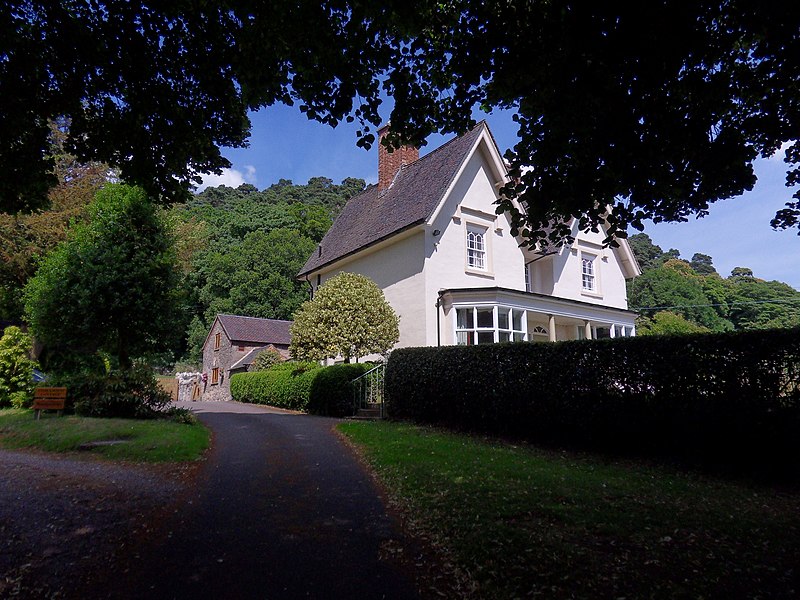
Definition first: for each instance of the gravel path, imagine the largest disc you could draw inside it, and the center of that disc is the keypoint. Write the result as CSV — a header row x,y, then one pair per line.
x,y
280,508
62,518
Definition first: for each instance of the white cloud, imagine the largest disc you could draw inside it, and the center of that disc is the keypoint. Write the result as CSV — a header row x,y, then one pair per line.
x,y
230,177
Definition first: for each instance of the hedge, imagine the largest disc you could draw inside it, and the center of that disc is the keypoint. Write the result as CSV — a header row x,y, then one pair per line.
x,y
331,392
285,385
720,398
301,386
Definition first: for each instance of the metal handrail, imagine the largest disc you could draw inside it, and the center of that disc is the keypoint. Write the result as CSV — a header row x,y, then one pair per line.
x,y
368,388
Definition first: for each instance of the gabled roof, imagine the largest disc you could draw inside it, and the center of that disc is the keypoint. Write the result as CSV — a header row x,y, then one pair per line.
x,y
252,330
249,358
414,195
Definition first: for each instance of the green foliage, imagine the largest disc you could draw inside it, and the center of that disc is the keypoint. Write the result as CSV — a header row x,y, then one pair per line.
x,y
306,386
26,238
331,392
245,247
673,286
125,393
649,255
347,317
702,264
16,368
665,322
112,285
266,359
286,385
731,399
674,126
257,277
698,295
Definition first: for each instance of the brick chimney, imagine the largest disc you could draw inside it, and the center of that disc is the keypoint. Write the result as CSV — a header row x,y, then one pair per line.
x,y
389,163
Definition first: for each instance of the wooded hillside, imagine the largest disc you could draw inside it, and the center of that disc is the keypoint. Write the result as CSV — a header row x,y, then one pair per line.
x,y
678,296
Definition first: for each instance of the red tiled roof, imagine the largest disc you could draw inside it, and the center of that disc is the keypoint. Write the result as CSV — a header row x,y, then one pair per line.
x,y
253,330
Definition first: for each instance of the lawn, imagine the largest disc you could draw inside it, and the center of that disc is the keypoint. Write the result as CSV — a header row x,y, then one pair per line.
x,y
146,440
520,522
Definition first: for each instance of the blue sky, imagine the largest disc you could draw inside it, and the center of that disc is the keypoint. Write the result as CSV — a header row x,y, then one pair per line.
x,y
285,145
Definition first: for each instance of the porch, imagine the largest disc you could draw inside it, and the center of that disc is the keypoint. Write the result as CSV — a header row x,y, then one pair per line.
x,y
492,315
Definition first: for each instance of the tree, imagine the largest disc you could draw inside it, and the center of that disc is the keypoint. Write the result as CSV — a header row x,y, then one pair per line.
x,y
676,288
702,264
266,359
257,277
112,285
666,322
16,368
653,110
347,317
26,238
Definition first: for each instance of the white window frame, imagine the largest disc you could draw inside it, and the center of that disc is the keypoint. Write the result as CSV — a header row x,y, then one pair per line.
x,y
589,275
470,333
477,247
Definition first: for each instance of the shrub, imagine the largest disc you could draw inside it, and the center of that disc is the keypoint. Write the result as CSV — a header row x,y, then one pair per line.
x,y
132,393
267,358
16,368
285,385
732,397
331,392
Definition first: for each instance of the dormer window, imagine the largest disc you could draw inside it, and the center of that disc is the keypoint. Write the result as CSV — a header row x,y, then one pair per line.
x,y
476,247
588,276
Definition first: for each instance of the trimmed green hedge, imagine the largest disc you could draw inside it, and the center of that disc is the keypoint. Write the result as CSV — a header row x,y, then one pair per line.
x,y
285,385
331,393
301,386
711,397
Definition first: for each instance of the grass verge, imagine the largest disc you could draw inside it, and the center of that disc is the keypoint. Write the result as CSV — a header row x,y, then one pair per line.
x,y
525,522
145,441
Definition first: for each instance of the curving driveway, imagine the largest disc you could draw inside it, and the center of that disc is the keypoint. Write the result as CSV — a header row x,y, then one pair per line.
x,y
281,509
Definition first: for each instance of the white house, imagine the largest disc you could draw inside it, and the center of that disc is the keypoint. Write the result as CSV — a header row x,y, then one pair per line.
x,y
428,235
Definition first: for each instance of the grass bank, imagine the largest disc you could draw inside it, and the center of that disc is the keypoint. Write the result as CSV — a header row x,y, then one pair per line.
x,y
147,441
520,522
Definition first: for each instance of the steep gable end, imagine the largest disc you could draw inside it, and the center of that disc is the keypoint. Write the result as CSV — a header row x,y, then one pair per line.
x,y
416,192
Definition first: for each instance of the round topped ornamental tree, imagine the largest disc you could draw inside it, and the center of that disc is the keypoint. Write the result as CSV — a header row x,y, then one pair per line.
x,y
348,317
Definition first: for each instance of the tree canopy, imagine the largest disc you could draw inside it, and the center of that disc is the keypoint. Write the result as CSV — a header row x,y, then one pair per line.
x,y
240,249
676,296
112,285
656,110
348,317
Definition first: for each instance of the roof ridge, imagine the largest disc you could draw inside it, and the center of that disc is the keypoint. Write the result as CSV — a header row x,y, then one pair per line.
x,y
248,317
445,145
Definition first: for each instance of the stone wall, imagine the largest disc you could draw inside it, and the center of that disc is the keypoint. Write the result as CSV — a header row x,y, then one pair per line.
x,y
221,358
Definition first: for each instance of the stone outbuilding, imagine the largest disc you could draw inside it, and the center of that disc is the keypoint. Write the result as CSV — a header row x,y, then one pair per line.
x,y
234,340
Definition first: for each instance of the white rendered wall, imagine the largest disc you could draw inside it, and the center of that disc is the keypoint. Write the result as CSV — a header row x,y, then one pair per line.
x,y
610,281
398,270
470,202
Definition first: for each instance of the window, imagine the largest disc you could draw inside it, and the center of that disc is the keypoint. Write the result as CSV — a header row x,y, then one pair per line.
x,y
587,271
217,339
476,247
489,324
215,375
528,287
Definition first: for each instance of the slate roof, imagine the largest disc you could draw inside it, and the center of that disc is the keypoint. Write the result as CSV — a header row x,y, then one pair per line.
x,y
414,194
249,358
252,330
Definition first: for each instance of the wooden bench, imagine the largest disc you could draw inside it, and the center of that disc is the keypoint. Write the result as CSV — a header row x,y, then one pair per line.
x,y
53,398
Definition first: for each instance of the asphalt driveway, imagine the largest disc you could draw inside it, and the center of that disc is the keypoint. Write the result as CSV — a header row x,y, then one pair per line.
x,y
281,509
